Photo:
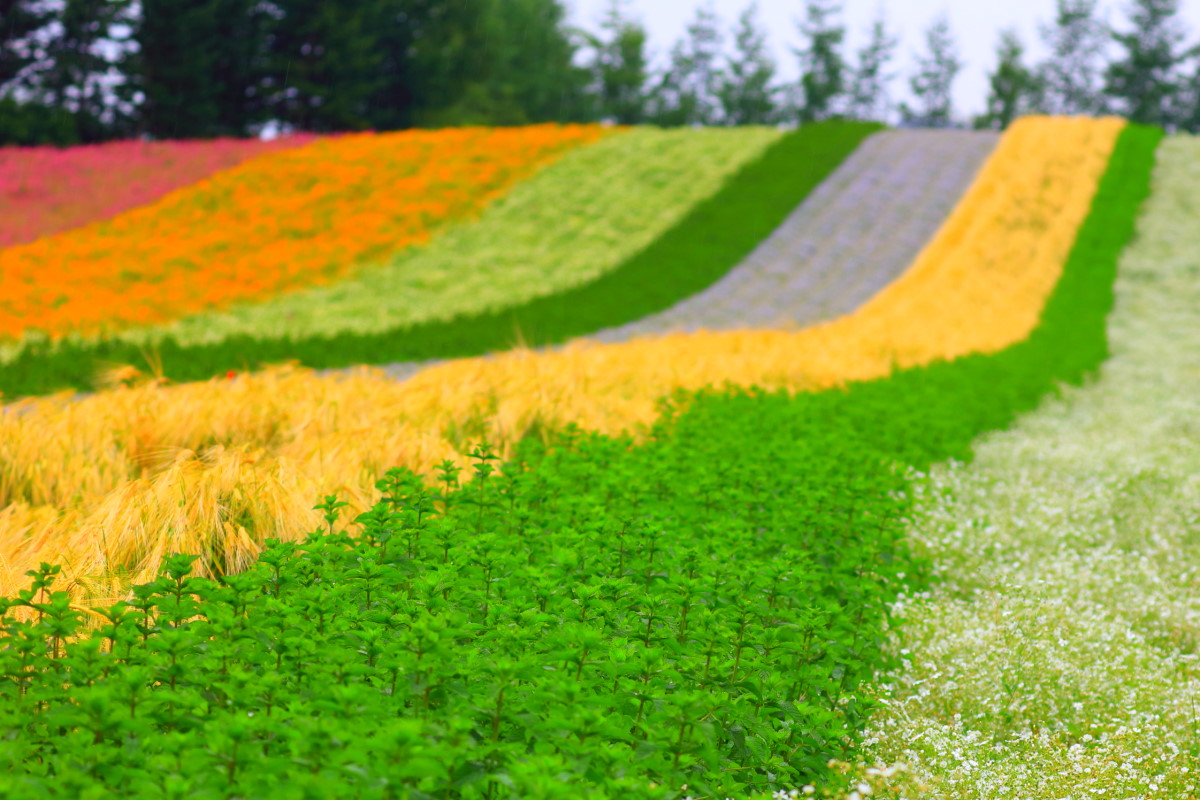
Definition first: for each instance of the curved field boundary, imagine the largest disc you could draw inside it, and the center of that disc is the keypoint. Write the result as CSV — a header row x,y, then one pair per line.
x,y
714,236
978,285
852,237
48,190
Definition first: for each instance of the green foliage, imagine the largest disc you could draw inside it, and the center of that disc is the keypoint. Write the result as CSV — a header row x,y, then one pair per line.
x,y
619,67
693,254
533,65
226,67
19,19
327,57
745,88
202,65
700,610
593,619
822,65
1070,75
931,84
36,124
869,81
489,62
687,93
1146,82
71,78
1013,86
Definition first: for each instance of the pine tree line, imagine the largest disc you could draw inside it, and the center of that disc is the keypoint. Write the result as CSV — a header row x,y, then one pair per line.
x,y
1153,79
88,70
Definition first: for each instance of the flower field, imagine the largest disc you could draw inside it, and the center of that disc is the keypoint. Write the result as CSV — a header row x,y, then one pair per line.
x,y
48,190
294,217
873,555
688,257
1057,657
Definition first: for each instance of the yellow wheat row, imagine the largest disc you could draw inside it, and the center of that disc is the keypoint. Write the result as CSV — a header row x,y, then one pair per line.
x,y
109,484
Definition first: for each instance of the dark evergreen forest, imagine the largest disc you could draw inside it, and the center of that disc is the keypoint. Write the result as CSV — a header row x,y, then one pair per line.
x,y
80,71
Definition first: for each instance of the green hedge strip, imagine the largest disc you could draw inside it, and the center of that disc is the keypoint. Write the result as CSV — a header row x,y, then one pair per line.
x,y
713,238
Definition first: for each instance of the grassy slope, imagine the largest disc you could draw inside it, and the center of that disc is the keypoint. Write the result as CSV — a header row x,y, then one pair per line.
x,y
752,471
689,257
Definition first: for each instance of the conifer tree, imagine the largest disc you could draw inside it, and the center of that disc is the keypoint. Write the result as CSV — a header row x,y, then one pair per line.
x,y
83,74
19,21
202,66
435,59
932,83
746,94
488,62
1146,82
1188,103
620,67
533,61
327,55
822,66
1070,77
687,93
869,81
1013,86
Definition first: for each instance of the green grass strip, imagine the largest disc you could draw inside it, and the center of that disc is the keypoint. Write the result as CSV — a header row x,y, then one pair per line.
x,y
689,257
599,619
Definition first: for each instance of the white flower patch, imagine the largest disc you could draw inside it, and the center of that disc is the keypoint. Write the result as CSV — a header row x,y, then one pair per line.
x,y
1057,657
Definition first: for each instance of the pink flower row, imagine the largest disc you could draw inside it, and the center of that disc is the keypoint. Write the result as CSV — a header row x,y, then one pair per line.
x,y
47,190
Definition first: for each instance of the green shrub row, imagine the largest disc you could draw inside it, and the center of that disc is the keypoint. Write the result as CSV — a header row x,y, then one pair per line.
x,y
692,255
594,619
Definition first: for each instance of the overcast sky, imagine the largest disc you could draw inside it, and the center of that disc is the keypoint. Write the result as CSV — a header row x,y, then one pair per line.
x,y
975,24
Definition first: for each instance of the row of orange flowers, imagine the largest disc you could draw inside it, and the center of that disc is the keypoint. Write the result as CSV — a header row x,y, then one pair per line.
x,y
276,223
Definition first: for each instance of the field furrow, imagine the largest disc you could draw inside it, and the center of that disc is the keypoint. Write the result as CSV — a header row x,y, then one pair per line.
x,y
852,237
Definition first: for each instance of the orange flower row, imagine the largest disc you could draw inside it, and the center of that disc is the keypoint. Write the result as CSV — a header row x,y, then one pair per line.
x,y
276,223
